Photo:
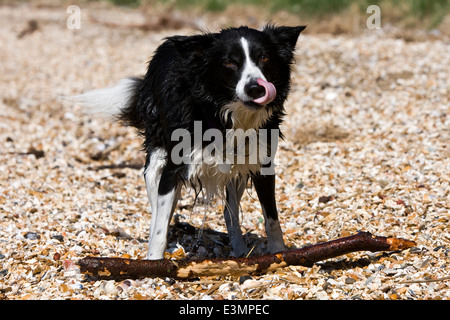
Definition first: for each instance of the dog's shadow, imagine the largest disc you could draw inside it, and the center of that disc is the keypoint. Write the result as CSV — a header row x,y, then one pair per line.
x,y
203,242
346,263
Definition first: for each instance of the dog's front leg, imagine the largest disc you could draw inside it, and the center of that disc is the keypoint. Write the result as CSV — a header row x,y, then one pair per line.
x,y
234,191
159,225
163,191
265,189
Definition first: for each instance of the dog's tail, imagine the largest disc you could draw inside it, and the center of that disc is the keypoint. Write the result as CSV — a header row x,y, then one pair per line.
x,y
119,102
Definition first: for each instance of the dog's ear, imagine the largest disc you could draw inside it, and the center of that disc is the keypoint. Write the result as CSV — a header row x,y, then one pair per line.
x,y
284,37
191,47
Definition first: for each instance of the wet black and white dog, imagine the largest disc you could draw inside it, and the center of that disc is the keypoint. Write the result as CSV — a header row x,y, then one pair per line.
x,y
209,109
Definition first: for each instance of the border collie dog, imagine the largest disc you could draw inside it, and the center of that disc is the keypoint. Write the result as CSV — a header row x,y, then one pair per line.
x,y
198,92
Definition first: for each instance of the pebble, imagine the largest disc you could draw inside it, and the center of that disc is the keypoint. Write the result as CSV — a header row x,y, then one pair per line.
x,y
110,288
250,284
58,237
32,236
350,280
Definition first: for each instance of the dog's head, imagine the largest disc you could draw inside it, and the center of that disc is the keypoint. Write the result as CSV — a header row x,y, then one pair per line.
x,y
242,65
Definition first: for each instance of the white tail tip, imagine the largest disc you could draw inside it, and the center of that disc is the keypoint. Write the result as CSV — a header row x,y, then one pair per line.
x,y
110,101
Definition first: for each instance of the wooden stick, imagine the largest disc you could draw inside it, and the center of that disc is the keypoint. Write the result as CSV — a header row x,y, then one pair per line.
x,y
185,269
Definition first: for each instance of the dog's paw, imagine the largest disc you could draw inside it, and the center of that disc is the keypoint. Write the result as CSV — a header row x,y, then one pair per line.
x,y
274,247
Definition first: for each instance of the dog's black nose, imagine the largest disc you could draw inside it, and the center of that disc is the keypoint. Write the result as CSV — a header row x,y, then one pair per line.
x,y
254,90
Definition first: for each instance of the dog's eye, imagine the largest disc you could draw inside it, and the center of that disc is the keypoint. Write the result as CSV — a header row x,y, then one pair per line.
x,y
264,58
229,63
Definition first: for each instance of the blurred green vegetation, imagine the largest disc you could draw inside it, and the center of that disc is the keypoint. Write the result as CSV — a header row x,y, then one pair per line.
x,y
433,11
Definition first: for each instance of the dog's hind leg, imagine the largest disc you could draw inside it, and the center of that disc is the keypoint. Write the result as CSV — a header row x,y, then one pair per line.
x,y
163,191
234,191
265,189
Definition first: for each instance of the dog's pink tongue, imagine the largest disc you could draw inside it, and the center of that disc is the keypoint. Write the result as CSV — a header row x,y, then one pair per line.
x,y
270,95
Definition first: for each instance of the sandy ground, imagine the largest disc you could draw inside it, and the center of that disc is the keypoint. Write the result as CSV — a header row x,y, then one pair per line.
x,y
366,148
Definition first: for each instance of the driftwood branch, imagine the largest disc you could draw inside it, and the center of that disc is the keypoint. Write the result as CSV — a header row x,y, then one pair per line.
x,y
184,269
